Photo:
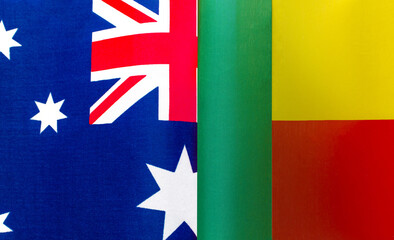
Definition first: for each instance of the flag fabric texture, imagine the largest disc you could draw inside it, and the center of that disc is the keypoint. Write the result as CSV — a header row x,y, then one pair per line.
x,y
98,122
234,129
333,122
98,119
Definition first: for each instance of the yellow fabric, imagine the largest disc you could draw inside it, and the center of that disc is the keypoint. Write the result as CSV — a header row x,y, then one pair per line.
x,y
333,59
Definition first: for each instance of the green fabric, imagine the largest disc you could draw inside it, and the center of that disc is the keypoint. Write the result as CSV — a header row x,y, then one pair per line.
x,y
234,120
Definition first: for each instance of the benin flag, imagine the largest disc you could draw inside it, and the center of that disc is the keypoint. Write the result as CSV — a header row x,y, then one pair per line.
x,y
333,111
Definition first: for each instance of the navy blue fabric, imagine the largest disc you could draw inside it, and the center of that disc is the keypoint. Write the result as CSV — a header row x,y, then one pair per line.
x,y
153,5
83,182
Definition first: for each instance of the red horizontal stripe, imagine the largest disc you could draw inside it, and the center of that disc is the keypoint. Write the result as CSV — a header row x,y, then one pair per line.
x,y
153,48
333,180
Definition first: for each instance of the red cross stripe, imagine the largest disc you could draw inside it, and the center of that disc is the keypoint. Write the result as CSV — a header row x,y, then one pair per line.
x,y
178,48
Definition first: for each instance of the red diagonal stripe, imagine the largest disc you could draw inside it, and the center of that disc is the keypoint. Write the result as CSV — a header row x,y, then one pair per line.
x,y
129,11
113,97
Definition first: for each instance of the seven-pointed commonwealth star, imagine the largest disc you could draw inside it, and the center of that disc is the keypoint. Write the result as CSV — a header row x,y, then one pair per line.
x,y
49,113
6,41
177,195
4,228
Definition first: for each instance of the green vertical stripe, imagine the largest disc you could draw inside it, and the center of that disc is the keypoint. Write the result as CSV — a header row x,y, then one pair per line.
x,y
234,120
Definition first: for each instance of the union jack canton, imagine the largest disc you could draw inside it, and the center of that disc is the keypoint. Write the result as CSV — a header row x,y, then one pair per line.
x,y
98,119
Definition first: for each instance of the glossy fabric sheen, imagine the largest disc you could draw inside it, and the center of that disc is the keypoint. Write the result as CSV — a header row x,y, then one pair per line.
x,y
234,120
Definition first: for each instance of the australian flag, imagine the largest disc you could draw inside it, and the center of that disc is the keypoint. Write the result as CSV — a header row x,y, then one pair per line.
x,y
98,119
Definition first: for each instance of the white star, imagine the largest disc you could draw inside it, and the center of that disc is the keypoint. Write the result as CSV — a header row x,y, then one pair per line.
x,y
177,195
6,41
49,113
4,228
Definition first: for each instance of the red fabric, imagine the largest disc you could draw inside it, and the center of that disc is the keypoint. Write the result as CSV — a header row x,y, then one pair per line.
x,y
333,180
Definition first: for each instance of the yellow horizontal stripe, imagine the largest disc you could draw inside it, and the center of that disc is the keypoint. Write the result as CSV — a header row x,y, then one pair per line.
x,y
333,59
